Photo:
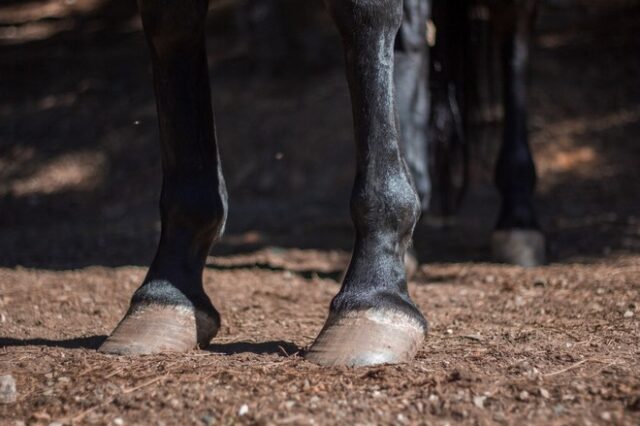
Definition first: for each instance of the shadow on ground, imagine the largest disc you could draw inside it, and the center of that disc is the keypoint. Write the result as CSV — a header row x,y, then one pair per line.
x,y
279,347
89,342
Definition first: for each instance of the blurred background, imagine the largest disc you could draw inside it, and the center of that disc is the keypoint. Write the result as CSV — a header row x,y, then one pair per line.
x,y
79,158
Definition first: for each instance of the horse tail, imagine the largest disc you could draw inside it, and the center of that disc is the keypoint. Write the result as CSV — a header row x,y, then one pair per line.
x,y
464,97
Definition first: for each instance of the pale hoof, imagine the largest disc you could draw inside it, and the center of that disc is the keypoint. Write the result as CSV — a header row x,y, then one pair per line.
x,y
152,329
367,337
521,247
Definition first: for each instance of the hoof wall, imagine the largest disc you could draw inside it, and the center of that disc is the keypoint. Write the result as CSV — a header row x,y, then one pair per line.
x,y
519,247
367,337
155,328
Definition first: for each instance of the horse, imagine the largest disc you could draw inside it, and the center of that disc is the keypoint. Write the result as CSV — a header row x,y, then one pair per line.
x,y
372,319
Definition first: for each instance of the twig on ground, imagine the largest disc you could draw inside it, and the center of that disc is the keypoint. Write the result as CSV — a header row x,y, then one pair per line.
x,y
573,366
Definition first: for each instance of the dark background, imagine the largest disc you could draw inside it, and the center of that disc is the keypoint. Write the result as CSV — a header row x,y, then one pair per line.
x,y
80,166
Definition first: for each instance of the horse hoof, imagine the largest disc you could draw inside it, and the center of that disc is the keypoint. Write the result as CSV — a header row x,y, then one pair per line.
x,y
151,328
367,337
521,247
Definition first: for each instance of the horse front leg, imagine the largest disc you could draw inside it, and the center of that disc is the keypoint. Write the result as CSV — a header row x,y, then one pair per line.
x,y
170,311
372,319
517,238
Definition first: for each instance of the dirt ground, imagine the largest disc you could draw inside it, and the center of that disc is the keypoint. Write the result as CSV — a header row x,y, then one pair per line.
x,y
79,183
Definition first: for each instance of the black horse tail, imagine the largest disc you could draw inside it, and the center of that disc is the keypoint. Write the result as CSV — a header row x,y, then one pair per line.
x,y
463,89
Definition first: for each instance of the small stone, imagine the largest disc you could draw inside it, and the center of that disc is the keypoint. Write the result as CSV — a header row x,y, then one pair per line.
x,y
118,421
8,392
558,409
523,396
289,404
606,416
208,420
476,337
478,401
628,314
244,409
539,282
449,331
545,393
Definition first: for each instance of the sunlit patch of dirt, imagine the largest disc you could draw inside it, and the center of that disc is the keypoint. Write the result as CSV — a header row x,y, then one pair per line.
x,y
75,171
29,11
569,160
567,153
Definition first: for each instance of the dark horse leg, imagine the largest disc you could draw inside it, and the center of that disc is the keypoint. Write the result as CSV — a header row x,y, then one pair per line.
x,y
372,319
411,76
517,238
170,311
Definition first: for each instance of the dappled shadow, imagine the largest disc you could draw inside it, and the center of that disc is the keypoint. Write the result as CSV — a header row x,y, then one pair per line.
x,y
303,273
80,165
89,342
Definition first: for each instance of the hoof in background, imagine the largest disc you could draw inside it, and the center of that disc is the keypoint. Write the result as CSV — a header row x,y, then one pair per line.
x,y
523,247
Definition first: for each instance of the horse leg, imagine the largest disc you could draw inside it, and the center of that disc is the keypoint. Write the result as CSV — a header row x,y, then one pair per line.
x,y
517,238
170,311
411,76
372,319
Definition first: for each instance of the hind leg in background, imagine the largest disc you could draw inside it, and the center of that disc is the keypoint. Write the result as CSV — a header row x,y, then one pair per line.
x,y
372,319
411,77
170,311
517,238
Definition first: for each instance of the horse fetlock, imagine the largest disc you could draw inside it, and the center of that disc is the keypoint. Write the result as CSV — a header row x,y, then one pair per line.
x,y
391,207
197,203
517,211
